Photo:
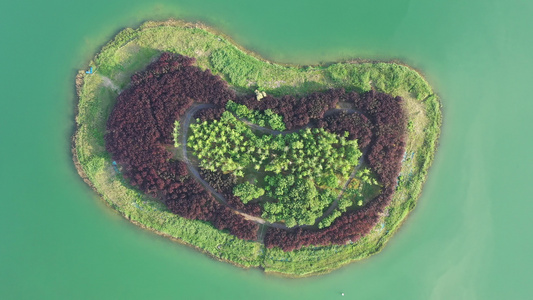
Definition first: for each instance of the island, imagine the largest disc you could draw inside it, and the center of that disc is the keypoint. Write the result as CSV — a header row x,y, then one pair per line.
x,y
297,170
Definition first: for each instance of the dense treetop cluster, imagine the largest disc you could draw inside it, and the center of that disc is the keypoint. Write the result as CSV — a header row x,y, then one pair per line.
x,y
261,118
296,111
384,157
247,191
142,126
301,171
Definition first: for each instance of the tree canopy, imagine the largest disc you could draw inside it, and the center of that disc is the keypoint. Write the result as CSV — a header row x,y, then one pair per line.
x,y
302,170
247,191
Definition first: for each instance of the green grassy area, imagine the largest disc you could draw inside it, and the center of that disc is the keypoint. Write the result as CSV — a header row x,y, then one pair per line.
x,y
133,49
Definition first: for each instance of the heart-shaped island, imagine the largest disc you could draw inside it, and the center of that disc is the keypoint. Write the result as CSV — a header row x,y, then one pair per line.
x,y
295,170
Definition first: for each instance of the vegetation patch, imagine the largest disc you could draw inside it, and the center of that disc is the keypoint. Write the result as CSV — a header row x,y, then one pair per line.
x,y
261,118
295,170
301,171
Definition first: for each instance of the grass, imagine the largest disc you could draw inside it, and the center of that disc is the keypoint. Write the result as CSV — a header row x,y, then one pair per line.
x,y
133,49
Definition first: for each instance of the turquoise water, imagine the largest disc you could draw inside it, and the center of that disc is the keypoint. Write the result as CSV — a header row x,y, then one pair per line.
x,y
467,239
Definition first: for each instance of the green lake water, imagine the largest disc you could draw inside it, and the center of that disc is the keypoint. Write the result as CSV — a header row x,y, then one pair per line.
x,y
468,238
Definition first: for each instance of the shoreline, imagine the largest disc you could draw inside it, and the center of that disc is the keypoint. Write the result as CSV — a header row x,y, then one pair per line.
x,y
85,179
80,82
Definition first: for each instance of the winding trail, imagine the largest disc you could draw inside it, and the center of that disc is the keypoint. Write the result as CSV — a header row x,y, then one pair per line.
x,y
192,169
183,140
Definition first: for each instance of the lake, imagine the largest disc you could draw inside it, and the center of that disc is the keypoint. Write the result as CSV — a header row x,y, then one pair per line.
x,y
468,238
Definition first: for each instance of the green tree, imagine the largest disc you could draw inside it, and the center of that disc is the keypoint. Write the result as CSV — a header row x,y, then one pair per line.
x,y
248,192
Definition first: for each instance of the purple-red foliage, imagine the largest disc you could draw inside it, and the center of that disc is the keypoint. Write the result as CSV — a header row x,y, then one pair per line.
x,y
207,114
141,124
390,122
297,111
385,154
349,227
142,120
357,125
224,183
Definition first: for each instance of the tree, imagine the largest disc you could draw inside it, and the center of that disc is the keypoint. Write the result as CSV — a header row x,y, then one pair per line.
x,y
248,192
330,181
142,123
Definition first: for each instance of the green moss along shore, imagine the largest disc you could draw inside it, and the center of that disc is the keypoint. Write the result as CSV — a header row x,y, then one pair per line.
x,y
133,49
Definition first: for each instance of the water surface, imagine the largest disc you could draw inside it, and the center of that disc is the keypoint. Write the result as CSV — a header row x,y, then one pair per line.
x,y
467,239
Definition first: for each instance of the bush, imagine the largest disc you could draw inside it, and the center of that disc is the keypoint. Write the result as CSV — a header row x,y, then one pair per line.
x,y
248,192
142,123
